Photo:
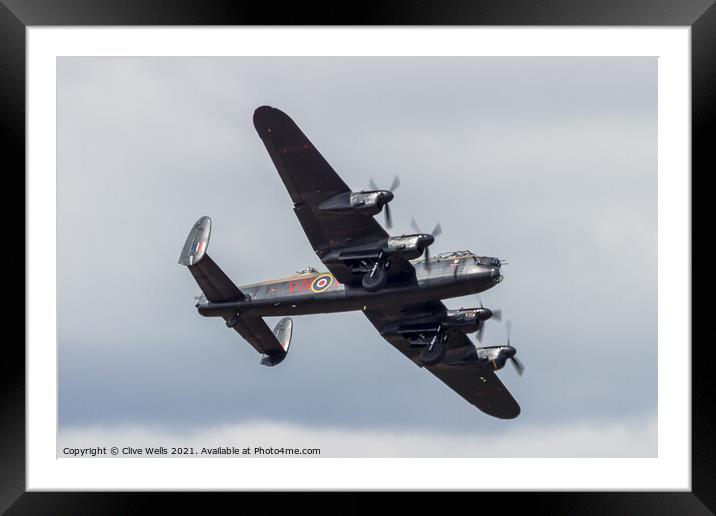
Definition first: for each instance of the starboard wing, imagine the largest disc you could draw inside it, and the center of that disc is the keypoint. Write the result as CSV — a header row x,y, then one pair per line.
x,y
475,381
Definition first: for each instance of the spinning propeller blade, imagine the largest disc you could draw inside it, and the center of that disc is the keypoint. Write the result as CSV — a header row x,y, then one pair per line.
x,y
395,184
388,218
386,208
480,332
437,230
496,314
519,367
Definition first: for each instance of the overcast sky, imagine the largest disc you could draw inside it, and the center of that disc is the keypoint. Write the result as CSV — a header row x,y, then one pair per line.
x,y
548,162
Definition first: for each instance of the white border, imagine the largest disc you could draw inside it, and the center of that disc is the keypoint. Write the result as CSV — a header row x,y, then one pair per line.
x,y
671,470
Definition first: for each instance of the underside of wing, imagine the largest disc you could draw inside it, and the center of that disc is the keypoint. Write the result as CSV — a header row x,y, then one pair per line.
x,y
310,181
480,386
461,369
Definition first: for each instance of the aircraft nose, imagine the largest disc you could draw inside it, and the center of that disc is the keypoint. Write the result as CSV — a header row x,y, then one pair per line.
x,y
427,239
495,275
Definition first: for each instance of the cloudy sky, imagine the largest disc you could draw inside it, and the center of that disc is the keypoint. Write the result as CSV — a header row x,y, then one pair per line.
x,y
548,162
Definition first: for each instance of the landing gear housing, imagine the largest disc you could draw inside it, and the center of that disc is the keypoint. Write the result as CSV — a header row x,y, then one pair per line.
x,y
435,351
375,279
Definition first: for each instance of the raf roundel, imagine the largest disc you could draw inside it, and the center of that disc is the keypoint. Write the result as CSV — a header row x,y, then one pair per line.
x,y
322,283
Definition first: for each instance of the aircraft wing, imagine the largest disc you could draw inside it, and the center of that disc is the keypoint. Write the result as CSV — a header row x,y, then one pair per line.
x,y
460,370
310,180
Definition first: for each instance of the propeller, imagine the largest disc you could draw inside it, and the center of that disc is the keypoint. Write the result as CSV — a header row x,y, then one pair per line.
x,y
437,230
496,314
386,206
480,332
515,362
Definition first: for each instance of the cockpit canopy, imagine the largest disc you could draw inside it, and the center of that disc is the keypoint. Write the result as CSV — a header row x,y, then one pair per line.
x,y
487,260
455,254
452,255
480,260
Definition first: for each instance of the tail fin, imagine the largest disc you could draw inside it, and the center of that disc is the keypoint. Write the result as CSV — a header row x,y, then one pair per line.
x,y
273,345
282,333
212,281
217,287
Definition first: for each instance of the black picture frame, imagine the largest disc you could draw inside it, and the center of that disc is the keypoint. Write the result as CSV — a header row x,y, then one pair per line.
x,y
17,15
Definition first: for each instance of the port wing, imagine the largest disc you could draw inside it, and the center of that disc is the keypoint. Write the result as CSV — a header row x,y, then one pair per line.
x,y
310,180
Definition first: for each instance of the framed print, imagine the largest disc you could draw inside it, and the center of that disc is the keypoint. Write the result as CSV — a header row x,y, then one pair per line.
x,y
518,225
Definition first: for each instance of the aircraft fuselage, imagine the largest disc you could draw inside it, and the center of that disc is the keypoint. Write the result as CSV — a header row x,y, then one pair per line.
x,y
316,293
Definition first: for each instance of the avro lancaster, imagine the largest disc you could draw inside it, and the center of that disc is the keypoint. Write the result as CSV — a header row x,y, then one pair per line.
x,y
393,280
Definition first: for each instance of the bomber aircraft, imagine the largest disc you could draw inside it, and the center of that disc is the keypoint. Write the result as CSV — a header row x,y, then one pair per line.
x,y
393,280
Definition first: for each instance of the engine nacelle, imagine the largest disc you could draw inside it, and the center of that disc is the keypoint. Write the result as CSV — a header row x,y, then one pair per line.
x,y
365,203
497,356
406,246
466,320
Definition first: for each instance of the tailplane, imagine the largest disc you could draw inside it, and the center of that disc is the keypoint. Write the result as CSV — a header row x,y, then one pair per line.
x,y
216,287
